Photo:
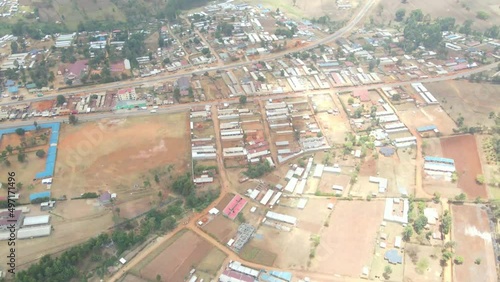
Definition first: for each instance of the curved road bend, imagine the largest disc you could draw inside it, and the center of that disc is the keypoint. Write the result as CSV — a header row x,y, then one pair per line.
x,y
165,76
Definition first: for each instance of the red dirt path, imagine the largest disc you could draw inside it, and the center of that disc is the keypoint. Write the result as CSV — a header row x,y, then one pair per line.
x,y
463,149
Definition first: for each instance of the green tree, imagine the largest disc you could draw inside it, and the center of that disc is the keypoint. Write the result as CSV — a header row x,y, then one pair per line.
x,y
177,94
407,233
420,223
480,179
482,15
21,157
446,223
459,260
9,149
387,272
400,14
243,99
460,197
73,119
14,48
20,131
436,198
61,100
40,153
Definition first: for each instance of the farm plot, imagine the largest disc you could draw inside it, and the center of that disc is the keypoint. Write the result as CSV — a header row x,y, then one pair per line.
x,y
222,228
176,257
103,156
473,101
471,231
348,242
463,150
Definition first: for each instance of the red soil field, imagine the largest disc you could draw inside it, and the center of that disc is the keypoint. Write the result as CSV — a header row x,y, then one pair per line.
x,y
471,231
463,149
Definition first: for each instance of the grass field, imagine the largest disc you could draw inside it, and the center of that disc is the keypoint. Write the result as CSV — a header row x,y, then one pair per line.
x,y
460,10
257,255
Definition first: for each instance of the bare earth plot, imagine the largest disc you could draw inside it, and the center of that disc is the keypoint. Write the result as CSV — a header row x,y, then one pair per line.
x,y
424,253
182,253
463,150
474,101
348,243
114,154
430,115
445,8
471,231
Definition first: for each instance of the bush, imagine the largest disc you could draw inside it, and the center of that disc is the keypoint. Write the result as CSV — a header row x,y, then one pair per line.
x,y
40,153
89,195
482,15
459,260
258,170
20,131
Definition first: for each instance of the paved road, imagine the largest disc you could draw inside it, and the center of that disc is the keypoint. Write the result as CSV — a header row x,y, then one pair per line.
x,y
166,76
186,107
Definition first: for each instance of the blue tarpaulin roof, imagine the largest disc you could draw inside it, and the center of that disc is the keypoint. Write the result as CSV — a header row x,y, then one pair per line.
x,y
426,128
52,152
439,160
9,83
387,151
45,194
287,276
268,278
393,256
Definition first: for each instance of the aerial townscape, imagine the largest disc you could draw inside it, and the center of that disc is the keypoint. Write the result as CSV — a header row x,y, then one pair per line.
x,y
249,140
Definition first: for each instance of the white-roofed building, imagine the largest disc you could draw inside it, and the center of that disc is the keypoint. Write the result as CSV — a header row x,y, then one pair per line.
x,y
36,220
32,232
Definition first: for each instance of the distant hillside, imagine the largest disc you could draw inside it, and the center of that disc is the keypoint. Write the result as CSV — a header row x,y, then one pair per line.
x,y
74,14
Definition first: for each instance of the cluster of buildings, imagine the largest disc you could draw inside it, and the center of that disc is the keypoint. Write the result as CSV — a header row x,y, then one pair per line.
x,y
237,272
26,227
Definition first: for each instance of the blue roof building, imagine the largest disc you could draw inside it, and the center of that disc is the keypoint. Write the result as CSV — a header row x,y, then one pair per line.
x,y
34,196
9,83
13,90
393,256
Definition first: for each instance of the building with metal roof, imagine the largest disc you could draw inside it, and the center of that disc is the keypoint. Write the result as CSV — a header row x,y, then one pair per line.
x,y
234,276
281,217
32,232
36,220
238,267
439,160
426,128
283,275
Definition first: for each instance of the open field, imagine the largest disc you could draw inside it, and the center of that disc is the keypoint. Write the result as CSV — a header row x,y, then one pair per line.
x,y
305,9
100,155
474,101
348,243
414,117
293,247
471,231
463,150
424,254
445,8
178,256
